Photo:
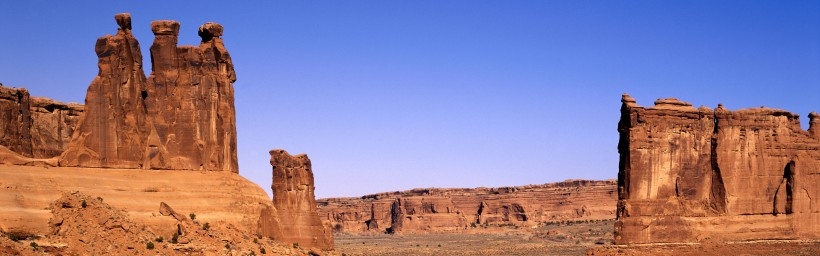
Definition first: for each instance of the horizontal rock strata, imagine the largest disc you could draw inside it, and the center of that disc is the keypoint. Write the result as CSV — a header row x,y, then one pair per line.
x,y
687,174
441,209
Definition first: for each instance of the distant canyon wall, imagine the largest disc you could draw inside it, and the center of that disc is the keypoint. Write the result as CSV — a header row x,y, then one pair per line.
x,y
687,174
440,209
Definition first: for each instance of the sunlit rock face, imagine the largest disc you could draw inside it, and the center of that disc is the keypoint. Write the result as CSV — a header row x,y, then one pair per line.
x,y
687,174
293,197
180,117
430,210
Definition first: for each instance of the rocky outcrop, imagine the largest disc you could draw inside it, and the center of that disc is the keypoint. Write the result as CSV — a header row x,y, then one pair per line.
x,y
293,197
441,209
688,174
181,117
33,127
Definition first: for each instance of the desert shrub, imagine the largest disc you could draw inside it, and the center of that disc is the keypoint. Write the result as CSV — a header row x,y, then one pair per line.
x,y
33,245
252,253
192,215
84,204
256,241
207,226
159,239
262,250
228,246
295,245
149,246
99,199
17,236
175,238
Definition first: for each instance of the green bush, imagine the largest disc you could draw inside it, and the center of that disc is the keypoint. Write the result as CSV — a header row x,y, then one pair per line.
x,y
149,246
192,215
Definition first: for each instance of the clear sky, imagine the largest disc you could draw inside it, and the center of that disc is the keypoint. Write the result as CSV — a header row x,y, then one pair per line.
x,y
394,95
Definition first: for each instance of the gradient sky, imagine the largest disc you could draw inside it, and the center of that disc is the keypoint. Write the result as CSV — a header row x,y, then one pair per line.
x,y
394,95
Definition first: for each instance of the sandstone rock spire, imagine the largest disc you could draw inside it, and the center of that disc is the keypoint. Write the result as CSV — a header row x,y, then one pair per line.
x,y
112,131
294,200
181,117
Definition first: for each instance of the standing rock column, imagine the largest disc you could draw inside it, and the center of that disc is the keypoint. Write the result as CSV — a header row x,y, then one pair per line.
x,y
190,99
111,132
294,200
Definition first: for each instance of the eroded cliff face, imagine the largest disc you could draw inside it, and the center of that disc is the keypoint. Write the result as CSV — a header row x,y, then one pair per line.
x,y
434,209
293,197
34,127
688,174
181,117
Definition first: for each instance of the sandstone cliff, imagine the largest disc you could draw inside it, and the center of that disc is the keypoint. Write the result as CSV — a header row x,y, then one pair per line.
x,y
688,174
293,197
181,117
35,127
434,209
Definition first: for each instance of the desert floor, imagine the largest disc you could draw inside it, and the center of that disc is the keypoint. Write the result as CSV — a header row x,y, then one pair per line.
x,y
552,239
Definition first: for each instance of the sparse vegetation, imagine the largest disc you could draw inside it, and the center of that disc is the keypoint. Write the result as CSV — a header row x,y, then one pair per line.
x,y
100,199
159,239
175,238
192,215
295,245
256,241
149,245
33,245
84,204
207,226
262,250
150,189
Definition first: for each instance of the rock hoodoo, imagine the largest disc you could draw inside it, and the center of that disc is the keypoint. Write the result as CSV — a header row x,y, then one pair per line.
x,y
447,209
180,117
688,174
293,197
33,127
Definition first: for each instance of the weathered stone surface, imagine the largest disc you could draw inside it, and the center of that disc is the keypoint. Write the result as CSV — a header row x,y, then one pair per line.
x,y
689,174
441,209
181,117
293,197
220,198
33,127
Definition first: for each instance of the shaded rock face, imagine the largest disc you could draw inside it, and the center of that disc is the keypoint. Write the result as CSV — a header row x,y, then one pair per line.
x,y
434,209
181,117
35,127
687,174
293,197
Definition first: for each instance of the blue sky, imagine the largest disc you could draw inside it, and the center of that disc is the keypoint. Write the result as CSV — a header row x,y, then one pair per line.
x,y
394,95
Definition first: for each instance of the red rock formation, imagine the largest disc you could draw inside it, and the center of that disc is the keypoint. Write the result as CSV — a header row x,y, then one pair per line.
x,y
688,174
35,127
431,210
295,202
181,117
